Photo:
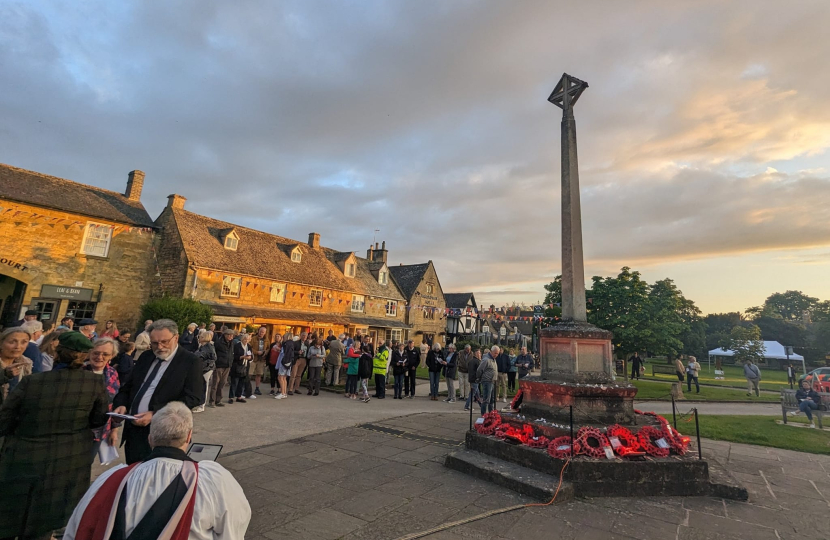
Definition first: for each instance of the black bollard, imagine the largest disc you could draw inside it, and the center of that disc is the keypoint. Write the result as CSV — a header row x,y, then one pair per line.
x,y
472,402
697,428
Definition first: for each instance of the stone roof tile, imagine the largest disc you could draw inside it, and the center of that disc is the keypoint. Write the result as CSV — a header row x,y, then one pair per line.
x,y
264,255
46,191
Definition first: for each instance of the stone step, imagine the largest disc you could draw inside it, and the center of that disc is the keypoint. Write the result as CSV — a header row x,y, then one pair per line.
x,y
520,479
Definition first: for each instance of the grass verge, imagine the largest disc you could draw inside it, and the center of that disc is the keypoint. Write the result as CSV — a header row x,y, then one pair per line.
x,y
733,376
658,390
760,430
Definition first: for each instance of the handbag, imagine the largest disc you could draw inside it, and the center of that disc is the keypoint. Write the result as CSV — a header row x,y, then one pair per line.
x,y
282,360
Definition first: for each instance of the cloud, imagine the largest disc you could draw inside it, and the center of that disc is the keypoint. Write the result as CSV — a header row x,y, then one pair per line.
x,y
428,120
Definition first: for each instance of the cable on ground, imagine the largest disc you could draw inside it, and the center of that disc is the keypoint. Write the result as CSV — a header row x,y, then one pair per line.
x,y
445,526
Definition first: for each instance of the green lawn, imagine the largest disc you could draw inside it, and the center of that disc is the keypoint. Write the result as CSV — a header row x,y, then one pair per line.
x,y
659,390
760,430
733,376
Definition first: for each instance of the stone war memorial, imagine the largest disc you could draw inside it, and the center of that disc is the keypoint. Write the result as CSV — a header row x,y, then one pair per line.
x,y
573,430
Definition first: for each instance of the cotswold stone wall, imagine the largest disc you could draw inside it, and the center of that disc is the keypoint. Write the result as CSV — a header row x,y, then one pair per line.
x,y
427,312
44,247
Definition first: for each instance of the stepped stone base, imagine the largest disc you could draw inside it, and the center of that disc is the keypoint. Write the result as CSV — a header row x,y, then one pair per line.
x,y
671,476
503,473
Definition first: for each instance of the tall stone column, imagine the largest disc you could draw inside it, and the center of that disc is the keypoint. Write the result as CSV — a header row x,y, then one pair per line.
x,y
573,272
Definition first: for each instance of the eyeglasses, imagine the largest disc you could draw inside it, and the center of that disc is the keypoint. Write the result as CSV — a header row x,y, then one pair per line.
x,y
97,354
162,343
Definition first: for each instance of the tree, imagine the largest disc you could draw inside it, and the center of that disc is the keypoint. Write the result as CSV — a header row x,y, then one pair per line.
x,y
746,343
554,294
693,335
786,332
619,305
181,310
718,328
790,305
665,323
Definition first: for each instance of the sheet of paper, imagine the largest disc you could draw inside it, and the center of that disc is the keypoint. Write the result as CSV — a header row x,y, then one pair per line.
x,y
107,453
122,416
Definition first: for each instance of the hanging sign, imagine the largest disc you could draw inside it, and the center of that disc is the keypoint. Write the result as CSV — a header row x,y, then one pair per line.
x,y
69,293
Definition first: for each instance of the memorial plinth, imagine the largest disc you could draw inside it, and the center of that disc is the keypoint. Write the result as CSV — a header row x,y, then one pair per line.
x,y
578,372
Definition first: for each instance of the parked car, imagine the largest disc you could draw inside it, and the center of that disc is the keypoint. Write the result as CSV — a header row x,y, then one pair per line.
x,y
822,375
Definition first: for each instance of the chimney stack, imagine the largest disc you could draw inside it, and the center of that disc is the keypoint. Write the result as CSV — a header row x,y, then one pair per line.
x,y
314,240
175,201
369,253
135,181
379,253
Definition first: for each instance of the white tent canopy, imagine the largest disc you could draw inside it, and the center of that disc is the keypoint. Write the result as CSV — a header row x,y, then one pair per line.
x,y
772,349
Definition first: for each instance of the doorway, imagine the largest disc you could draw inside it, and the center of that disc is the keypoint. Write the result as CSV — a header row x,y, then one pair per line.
x,y
11,298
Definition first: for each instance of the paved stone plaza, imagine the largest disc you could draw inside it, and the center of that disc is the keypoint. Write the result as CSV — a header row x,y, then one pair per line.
x,y
384,478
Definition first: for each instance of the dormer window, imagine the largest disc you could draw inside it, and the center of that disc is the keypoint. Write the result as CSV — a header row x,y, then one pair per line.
x,y
231,241
350,269
383,277
296,255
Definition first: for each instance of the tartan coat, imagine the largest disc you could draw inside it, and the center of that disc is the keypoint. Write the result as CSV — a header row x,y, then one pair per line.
x,y
47,421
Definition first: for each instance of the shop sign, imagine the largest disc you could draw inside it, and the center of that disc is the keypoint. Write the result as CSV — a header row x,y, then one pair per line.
x,y
69,293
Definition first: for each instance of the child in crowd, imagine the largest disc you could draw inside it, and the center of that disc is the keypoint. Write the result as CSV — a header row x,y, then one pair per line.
x,y
364,370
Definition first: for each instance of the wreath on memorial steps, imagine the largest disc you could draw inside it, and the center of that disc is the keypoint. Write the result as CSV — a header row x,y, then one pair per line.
x,y
538,442
560,447
491,421
590,441
647,437
678,442
628,441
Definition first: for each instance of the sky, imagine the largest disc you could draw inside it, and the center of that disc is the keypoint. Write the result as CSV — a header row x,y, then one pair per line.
x,y
703,135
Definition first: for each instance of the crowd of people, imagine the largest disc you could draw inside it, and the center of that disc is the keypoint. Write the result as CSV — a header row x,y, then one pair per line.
x,y
65,391
60,391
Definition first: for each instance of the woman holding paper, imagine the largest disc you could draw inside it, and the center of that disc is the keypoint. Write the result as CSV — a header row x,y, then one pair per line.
x,y
105,349
46,421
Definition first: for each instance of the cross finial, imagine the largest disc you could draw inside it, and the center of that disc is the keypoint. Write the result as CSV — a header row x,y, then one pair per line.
x,y
567,91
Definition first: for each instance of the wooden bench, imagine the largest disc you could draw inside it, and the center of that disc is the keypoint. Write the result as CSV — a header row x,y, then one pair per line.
x,y
663,368
789,403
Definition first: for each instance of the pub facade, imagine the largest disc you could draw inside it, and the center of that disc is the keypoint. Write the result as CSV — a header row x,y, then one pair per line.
x,y
253,278
72,249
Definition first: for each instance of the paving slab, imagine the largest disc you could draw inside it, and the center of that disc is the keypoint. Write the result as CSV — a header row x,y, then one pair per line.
x,y
355,483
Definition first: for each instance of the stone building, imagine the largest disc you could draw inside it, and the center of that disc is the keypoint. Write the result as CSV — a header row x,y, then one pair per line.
x,y
249,277
426,307
71,249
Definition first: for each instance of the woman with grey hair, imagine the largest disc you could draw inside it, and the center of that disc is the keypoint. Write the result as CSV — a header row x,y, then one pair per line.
x,y
102,353
13,365
189,340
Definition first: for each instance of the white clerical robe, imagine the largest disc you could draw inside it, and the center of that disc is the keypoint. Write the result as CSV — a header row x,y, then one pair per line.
x,y
221,510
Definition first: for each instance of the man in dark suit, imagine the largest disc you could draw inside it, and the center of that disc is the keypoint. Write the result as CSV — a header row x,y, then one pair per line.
x,y
165,373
